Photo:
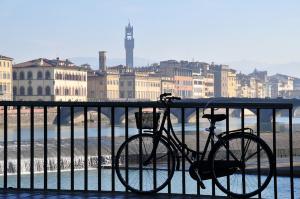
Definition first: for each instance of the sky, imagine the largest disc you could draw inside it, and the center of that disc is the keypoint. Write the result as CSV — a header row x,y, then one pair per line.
x,y
244,34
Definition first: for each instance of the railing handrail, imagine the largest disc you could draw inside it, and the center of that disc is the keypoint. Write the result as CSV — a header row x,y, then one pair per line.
x,y
268,104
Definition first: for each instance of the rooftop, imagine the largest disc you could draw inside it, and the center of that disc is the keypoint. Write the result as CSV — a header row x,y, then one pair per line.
x,y
43,62
5,58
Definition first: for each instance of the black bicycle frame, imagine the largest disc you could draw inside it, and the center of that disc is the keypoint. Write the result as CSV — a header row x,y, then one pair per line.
x,y
176,144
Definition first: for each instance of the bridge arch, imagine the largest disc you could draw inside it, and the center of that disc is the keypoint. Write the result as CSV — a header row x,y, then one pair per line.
x,y
131,115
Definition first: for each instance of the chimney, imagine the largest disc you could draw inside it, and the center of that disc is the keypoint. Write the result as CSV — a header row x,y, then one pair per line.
x,y
102,61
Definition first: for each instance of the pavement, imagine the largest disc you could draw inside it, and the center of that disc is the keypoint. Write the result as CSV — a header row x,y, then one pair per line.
x,y
10,194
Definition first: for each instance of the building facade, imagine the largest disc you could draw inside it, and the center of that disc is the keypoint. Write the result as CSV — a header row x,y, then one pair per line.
x,y
198,86
167,85
220,80
139,86
103,86
6,93
209,85
183,77
49,80
231,84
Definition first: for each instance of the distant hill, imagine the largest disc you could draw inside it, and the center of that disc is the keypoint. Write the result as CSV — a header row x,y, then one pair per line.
x,y
93,61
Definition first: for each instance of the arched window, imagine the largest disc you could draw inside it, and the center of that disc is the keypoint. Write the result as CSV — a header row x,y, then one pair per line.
x,y
40,75
15,90
15,75
48,90
40,90
76,92
66,91
22,90
47,75
29,90
29,75
57,91
22,76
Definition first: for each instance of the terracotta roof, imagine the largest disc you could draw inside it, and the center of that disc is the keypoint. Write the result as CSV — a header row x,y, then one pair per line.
x,y
42,62
6,58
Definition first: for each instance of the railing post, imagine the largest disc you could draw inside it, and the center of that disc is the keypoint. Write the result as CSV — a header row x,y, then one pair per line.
x,y
58,148
18,148
258,154
5,149
113,148
72,147
32,147
183,148
291,152
198,143
85,150
99,147
45,149
274,152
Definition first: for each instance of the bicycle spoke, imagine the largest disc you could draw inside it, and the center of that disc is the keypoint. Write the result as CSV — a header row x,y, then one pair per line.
x,y
246,171
250,156
146,142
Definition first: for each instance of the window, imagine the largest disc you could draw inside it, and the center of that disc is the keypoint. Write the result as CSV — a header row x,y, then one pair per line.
x,y
29,90
47,75
40,90
29,75
22,76
40,75
22,90
122,94
15,90
57,91
48,90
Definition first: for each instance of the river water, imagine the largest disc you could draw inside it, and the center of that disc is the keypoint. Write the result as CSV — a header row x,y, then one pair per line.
x,y
282,127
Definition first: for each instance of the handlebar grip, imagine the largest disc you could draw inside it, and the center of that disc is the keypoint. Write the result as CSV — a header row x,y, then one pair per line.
x,y
166,94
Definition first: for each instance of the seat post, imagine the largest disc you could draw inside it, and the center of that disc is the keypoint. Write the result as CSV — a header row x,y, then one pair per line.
x,y
212,126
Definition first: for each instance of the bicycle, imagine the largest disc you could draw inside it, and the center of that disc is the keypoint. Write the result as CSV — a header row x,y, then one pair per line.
x,y
146,162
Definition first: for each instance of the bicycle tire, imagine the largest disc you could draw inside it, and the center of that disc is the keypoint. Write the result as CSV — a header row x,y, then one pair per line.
x,y
213,158
121,169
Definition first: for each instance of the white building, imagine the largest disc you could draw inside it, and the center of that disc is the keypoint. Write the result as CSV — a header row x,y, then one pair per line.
x,y
49,80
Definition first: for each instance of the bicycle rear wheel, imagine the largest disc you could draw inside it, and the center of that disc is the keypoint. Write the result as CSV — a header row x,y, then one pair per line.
x,y
249,172
139,176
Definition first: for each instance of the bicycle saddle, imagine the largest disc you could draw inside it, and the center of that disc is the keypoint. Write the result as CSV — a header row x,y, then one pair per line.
x,y
215,117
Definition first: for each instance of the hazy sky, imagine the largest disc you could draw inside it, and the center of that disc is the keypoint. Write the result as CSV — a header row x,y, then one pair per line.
x,y
224,31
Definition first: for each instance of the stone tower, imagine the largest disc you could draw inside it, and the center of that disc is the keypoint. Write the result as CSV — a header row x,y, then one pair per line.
x,y
129,45
102,61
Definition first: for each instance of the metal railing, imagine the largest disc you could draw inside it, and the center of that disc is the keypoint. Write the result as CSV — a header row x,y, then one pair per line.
x,y
71,110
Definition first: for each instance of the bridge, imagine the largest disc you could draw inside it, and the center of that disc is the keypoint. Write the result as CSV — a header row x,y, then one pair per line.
x,y
189,113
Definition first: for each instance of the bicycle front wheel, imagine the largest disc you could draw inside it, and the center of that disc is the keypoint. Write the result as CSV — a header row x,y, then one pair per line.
x,y
242,165
142,176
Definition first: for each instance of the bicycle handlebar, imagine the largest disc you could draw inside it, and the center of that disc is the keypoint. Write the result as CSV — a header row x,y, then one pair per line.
x,y
167,97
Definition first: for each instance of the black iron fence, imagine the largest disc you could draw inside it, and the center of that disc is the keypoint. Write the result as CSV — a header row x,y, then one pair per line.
x,y
35,132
